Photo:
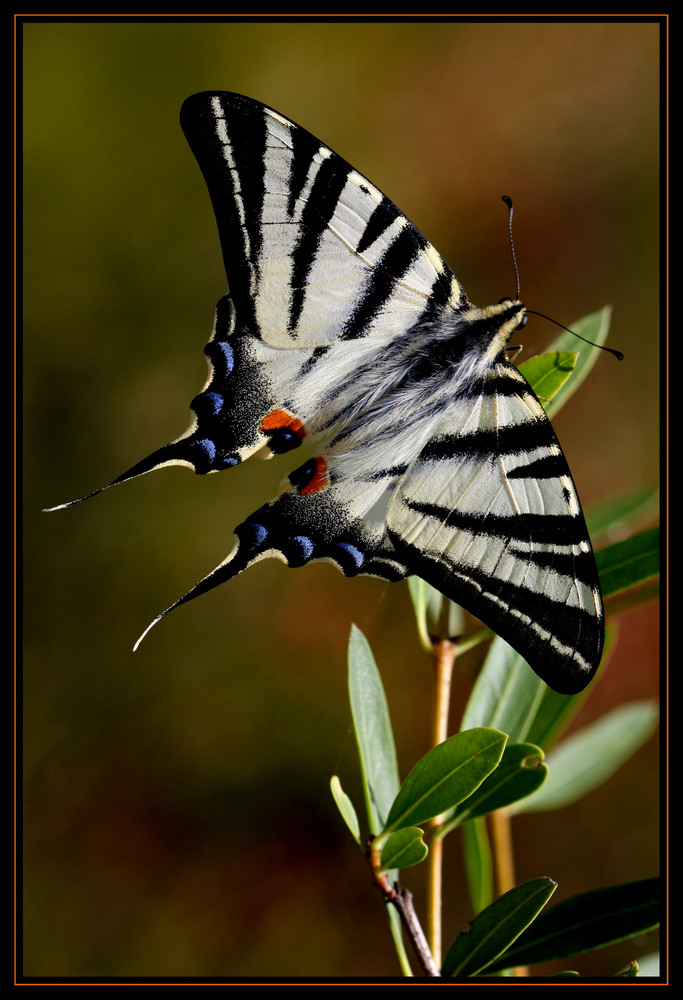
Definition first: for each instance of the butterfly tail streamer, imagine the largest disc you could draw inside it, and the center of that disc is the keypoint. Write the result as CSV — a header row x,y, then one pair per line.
x,y
240,558
254,541
181,452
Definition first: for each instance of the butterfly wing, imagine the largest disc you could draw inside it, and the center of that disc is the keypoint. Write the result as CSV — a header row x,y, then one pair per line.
x,y
343,321
313,252
488,514
324,272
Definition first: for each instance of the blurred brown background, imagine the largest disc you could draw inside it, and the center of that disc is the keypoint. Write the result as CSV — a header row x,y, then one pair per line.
x,y
178,820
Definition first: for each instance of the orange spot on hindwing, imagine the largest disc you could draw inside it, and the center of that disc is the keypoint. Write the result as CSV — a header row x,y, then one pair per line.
x,y
311,477
283,431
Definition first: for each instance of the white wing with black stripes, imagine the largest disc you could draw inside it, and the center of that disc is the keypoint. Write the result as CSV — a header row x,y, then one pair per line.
x,y
344,324
488,514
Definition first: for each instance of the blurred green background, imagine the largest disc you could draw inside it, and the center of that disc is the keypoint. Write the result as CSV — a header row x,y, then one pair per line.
x,y
178,820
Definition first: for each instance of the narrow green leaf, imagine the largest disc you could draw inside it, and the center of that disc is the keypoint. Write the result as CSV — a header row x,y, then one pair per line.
x,y
594,327
446,775
622,512
374,735
589,757
478,863
434,614
494,929
426,606
520,773
377,753
455,621
555,711
629,562
509,696
586,922
547,373
404,849
506,694
345,807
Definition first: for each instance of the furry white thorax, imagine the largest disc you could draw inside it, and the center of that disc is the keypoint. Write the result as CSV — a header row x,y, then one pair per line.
x,y
375,384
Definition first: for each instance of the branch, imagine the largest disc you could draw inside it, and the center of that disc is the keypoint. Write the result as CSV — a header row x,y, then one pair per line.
x,y
444,653
402,899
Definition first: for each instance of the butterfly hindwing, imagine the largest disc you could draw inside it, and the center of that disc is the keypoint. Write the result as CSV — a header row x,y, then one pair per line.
x,y
344,326
489,516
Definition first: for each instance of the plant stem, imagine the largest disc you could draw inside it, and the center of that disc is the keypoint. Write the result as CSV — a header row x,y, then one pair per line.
x,y
402,899
444,659
501,837
502,850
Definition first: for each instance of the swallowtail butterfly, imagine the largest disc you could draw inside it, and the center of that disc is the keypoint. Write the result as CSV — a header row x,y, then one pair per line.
x,y
344,325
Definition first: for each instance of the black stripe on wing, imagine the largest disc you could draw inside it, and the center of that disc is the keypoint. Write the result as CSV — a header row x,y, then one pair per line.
x,y
561,643
512,439
546,529
380,220
233,141
396,260
237,193
320,206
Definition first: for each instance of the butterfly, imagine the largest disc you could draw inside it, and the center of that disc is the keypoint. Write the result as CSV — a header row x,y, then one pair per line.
x,y
343,326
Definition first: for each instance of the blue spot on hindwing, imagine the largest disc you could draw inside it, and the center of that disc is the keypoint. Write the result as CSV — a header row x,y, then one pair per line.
x,y
356,554
305,544
208,448
215,401
259,530
228,355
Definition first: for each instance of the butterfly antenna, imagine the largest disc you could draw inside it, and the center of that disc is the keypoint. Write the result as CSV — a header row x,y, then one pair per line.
x,y
511,209
610,350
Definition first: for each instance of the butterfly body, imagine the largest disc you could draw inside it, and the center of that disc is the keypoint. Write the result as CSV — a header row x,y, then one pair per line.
x,y
345,328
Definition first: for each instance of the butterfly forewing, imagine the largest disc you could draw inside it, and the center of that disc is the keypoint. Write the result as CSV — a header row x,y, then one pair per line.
x,y
344,324
313,252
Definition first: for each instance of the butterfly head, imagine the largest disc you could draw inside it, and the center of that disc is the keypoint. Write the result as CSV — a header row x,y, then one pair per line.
x,y
515,312
492,327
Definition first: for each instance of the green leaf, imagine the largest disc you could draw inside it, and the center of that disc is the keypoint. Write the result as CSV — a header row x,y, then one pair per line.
x,y
427,604
494,929
404,849
449,773
620,513
555,711
628,563
506,694
374,735
478,863
589,757
345,807
587,922
547,373
435,614
520,773
377,753
594,327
